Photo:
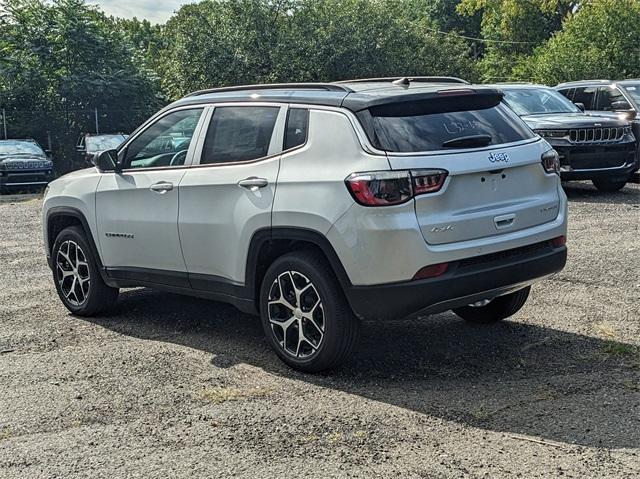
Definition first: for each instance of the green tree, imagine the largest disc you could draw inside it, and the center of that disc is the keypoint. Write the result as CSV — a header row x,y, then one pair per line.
x,y
60,61
513,28
145,39
599,41
217,43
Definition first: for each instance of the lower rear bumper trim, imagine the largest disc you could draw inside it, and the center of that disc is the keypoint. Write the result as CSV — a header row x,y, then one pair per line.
x,y
458,287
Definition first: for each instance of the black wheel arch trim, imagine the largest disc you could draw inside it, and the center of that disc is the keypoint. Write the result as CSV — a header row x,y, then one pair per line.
x,y
59,211
316,238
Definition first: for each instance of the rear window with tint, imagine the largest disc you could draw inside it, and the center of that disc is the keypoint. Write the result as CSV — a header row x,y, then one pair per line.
x,y
430,131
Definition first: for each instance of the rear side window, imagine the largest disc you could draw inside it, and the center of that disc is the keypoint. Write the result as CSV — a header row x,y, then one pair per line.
x,y
442,130
586,96
568,93
239,133
297,125
607,97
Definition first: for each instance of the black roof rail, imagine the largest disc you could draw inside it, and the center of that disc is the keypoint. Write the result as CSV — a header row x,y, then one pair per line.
x,y
406,80
275,86
513,83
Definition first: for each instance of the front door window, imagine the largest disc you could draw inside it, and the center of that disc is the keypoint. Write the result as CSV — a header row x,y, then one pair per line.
x,y
164,143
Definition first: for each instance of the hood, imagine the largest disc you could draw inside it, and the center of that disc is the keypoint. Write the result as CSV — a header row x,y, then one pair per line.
x,y
78,174
565,121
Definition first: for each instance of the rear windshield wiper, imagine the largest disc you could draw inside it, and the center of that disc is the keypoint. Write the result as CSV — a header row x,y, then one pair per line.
x,y
471,141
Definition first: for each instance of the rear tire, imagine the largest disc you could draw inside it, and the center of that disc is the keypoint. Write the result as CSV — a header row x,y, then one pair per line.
x,y
498,309
609,185
300,292
77,277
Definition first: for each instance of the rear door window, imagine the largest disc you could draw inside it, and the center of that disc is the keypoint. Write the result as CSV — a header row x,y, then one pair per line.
x,y
568,93
442,130
586,96
607,96
239,133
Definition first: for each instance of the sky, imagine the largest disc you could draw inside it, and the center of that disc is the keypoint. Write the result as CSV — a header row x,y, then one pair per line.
x,y
156,11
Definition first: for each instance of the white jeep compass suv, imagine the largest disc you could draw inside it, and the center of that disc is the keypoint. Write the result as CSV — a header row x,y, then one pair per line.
x,y
316,205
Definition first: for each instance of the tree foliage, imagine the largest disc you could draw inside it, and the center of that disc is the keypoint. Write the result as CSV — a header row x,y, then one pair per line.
x,y
599,41
244,41
61,59
513,28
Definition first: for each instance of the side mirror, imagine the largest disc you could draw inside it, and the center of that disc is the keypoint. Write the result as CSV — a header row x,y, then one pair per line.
x,y
620,106
580,106
108,161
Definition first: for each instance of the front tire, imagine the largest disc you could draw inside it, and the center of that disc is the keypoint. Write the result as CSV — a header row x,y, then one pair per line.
x,y
609,185
77,277
305,314
496,310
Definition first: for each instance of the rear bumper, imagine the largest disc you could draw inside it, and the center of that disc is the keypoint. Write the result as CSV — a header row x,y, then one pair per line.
x,y
465,282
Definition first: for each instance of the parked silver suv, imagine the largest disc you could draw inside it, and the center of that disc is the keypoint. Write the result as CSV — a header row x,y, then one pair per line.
x,y
315,205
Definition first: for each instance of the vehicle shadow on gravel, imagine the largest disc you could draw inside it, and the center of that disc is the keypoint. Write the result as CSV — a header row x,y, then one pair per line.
x,y
510,377
587,193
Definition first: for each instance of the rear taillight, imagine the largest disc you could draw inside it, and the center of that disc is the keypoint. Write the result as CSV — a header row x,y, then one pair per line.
x,y
385,188
551,162
559,241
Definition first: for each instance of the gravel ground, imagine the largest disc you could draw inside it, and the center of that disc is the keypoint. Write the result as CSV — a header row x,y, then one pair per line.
x,y
177,387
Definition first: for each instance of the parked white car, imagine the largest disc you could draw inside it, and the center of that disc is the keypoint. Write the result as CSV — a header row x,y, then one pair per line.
x,y
315,205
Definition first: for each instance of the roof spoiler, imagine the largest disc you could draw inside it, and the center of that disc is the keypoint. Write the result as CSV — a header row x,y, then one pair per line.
x,y
441,101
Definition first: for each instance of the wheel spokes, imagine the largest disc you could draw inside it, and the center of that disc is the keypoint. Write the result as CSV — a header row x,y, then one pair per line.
x,y
295,314
73,274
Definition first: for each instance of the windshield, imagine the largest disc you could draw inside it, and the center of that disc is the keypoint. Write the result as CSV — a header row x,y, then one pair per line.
x,y
633,89
20,147
538,101
104,142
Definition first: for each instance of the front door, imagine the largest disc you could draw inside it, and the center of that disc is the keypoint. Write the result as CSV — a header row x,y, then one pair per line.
x,y
137,209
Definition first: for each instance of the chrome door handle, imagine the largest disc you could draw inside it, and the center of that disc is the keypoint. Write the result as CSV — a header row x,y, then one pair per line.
x,y
161,187
253,183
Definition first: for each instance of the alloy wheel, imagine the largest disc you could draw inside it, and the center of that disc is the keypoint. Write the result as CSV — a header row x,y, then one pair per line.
x,y
72,270
296,314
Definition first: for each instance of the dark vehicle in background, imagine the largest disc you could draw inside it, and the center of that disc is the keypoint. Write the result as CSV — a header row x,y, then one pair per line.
x,y
600,148
91,144
621,98
23,165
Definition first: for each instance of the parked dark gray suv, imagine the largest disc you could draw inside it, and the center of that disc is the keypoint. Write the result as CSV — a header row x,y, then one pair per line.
x,y
23,164
608,97
600,148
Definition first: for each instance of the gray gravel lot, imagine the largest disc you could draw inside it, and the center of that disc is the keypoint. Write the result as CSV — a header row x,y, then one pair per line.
x,y
172,387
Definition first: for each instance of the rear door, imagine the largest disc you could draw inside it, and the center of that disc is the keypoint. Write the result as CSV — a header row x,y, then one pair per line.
x,y
229,194
496,183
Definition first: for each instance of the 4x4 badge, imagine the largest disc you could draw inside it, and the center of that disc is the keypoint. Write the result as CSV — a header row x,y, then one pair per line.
x,y
498,157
